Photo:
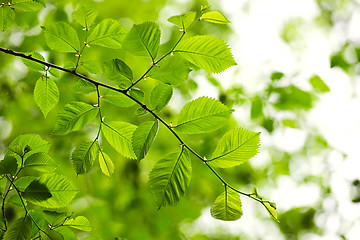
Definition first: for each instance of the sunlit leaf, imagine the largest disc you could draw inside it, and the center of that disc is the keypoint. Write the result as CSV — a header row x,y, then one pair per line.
x,y
106,165
271,208
85,16
23,182
118,99
256,108
207,52
80,222
19,230
8,165
34,143
235,147
319,84
51,234
66,233
41,162
214,17
53,217
83,86
36,192
116,70
61,37
275,76
46,94
202,115
27,5
7,17
160,97
38,220
32,64
170,178
183,20
92,66
227,206
143,137
83,157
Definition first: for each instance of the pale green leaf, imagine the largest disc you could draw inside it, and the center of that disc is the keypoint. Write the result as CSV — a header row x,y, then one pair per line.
x,y
83,86
73,117
27,5
227,206
66,233
160,96
108,33
207,52
51,234
33,144
137,93
106,165
116,70
235,147
80,222
143,40
46,94
271,208
85,16
183,20
170,178
118,99
172,70
83,157
140,112
61,37
318,84
32,64
19,230
119,135
7,17
214,17
202,115
8,165
143,137
92,66
41,162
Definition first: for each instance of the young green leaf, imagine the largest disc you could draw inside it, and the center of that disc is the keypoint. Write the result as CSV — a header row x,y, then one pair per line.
x,y
61,37
271,208
8,165
50,234
183,20
73,117
143,40
172,70
27,5
7,17
118,99
85,16
80,222
318,84
106,165
202,115
116,70
46,94
35,144
34,65
214,17
160,96
138,94
83,86
15,199
53,217
36,192
108,33
207,52
23,182
19,230
38,220
83,157
143,137
41,162
92,66
170,178
119,135
227,206
235,147
66,233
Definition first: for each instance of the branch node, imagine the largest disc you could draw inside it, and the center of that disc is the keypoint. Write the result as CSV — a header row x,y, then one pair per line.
x,y
170,124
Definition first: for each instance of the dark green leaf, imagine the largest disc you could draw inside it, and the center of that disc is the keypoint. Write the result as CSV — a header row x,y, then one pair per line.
x,y
83,157
106,165
15,199
80,222
41,162
7,17
36,192
46,94
227,206
32,64
116,70
23,182
20,230
85,16
143,137
160,97
183,20
214,17
61,37
319,84
8,165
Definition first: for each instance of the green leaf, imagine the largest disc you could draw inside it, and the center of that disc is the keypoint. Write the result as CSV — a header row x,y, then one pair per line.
x,y
27,5
235,147
83,86
119,135
41,162
37,218
143,137
160,96
80,222
83,157
183,20
293,98
214,17
53,217
202,115
8,165
61,189
170,178
207,52
61,37
46,94
85,16
118,99
172,70
92,66
318,84
140,112
108,33
15,199
54,72
36,192
106,165
73,117
35,143
20,230
138,94
271,208
34,65
51,234
116,70
66,233
256,108
143,40
23,182
227,206
275,76
7,17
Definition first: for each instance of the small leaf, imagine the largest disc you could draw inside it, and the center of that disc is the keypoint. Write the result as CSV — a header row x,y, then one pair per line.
x,y
27,5
160,96
92,66
83,157
235,147
61,37
214,17
80,222
15,199
140,112
227,206
53,217
32,64
143,137
41,162
66,233
73,117
85,16
108,33
275,76
7,17
118,99
8,165
202,115
170,178
183,20
116,70
37,218
271,208
20,230
119,135
143,40
106,165
46,94
207,52
83,86
35,143
23,182
318,84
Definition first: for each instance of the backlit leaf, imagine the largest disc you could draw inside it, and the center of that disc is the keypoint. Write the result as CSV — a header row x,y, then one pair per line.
x,y
66,233
227,206
118,99
32,64
116,70
108,33
319,84
8,165
36,192
7,17
143,137
61,37
83,86
172,70
85,16
202,115
271,208
19,230
41,162
83,157
46,94
160,97
183,20
214,17
80,222
106,165
27,5
35,144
